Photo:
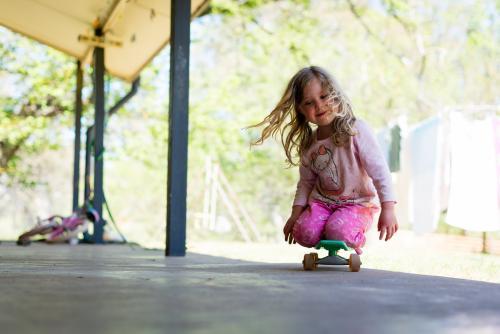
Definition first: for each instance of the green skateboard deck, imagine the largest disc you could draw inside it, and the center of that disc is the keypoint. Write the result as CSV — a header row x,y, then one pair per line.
x,y
332,246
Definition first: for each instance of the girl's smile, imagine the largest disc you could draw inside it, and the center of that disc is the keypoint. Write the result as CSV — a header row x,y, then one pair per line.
x,y
324,113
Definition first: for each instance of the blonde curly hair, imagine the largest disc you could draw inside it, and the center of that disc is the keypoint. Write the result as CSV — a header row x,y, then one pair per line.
x,y
296,132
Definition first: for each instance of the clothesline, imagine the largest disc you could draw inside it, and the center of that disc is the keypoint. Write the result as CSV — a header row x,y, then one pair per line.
x,y
447,162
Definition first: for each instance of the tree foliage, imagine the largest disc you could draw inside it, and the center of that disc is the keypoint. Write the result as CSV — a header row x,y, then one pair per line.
x,y
393,57
37,95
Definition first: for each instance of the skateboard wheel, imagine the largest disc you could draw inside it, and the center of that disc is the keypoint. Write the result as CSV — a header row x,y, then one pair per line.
x,y
315,256
309,263
354,262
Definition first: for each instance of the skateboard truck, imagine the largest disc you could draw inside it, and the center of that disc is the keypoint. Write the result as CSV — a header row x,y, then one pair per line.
x,y
312,260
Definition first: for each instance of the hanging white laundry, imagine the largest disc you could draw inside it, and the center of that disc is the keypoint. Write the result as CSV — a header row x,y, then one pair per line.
x,y
473,203
401,181
445,164
384,142
425,157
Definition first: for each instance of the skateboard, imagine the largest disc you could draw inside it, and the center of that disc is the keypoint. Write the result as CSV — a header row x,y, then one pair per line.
x,y
311,260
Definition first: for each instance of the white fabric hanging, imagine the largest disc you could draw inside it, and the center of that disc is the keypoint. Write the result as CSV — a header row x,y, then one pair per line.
x,y
424,143
384,141
473,198
401,181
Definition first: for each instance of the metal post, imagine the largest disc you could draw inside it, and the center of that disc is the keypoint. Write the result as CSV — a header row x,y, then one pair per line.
x,y
78,119
99,138
178,127
88,159
88,164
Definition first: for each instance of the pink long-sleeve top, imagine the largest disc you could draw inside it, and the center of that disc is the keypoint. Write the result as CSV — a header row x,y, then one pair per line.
x,y
356,173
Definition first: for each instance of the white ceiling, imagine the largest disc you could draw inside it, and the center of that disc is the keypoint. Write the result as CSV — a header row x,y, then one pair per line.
x,y
142,27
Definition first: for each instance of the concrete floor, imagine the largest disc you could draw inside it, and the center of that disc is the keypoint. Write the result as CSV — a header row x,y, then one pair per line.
x,y
120,289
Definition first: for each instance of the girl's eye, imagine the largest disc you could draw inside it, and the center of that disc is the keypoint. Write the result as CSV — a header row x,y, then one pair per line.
x,y
308,103
323,97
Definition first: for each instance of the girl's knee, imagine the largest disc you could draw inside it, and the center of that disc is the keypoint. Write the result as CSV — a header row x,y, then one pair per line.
x,y
308,229
307,235
348,221
334,231
352,235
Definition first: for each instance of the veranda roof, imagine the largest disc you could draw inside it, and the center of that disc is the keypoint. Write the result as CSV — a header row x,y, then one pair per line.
x,y
141,27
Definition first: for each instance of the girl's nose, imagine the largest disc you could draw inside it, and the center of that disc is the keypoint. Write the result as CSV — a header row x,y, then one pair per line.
x,y
319,105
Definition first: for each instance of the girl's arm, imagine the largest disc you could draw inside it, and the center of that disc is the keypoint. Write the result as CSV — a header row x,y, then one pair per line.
x,y
307,179
374,162
304,188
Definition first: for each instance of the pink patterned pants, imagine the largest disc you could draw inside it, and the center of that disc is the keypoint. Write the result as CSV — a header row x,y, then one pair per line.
x,y
346,222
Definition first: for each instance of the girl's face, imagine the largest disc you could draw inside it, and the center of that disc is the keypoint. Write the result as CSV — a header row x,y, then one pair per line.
x,y
315,104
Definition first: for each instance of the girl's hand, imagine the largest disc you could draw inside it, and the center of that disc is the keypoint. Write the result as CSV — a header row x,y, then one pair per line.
x,y
288,229
387,222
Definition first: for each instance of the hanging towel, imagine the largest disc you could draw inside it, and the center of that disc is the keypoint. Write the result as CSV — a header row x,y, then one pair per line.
x,y
445,163
384,142
473,203
401,181
425,155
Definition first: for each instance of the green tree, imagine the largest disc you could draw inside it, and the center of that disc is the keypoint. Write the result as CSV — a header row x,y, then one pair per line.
x,y
393,58
36,96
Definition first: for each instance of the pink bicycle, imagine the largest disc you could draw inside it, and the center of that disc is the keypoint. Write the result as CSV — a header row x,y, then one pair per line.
x,y
59,228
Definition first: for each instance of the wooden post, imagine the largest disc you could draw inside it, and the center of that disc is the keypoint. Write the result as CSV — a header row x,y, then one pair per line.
x,y
241,208
206,195
213,196
233,214
485,244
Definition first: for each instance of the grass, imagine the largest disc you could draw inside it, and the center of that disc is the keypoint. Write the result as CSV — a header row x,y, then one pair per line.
x,y
433,254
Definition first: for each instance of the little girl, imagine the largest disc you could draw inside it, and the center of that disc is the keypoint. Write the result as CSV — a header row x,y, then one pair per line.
x,y
341,166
